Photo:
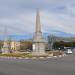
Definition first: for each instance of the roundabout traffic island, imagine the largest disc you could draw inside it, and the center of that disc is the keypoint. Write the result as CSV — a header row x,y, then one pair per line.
x,y
32,56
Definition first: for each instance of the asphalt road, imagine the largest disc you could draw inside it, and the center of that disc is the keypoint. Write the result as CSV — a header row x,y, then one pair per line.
x,y
52,66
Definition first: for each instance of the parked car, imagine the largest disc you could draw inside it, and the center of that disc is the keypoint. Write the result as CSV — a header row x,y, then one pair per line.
x,y
68,51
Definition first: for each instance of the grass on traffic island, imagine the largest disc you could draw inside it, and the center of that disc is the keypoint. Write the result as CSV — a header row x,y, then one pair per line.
x,y
29,55
23,55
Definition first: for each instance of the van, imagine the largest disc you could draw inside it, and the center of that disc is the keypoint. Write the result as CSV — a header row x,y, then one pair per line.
x,y
68,51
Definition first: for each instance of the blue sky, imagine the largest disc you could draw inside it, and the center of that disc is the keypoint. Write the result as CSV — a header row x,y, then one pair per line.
x,y
18,16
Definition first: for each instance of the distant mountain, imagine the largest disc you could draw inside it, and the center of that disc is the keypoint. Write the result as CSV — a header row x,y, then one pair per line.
x,y
29,36
60,33
17,37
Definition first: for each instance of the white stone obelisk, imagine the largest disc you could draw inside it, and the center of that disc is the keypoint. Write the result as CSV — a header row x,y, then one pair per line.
x,y
5,48
38,39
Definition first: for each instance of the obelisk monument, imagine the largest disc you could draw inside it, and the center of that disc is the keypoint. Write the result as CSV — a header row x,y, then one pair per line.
x,y
5,48
38,39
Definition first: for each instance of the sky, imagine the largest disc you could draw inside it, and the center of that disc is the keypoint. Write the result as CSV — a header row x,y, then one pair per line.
x,y
19,16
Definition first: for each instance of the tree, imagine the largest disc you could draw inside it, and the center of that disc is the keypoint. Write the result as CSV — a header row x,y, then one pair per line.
x,y
1,44
51,40
58,45
25,45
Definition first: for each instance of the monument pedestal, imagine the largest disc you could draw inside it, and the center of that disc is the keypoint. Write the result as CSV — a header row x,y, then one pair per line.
x,y
39,54
5,49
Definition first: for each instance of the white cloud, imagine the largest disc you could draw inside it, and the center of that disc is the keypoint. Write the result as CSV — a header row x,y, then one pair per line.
x,y
19,15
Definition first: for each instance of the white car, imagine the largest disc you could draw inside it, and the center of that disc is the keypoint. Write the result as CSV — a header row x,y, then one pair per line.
x,y
68,51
